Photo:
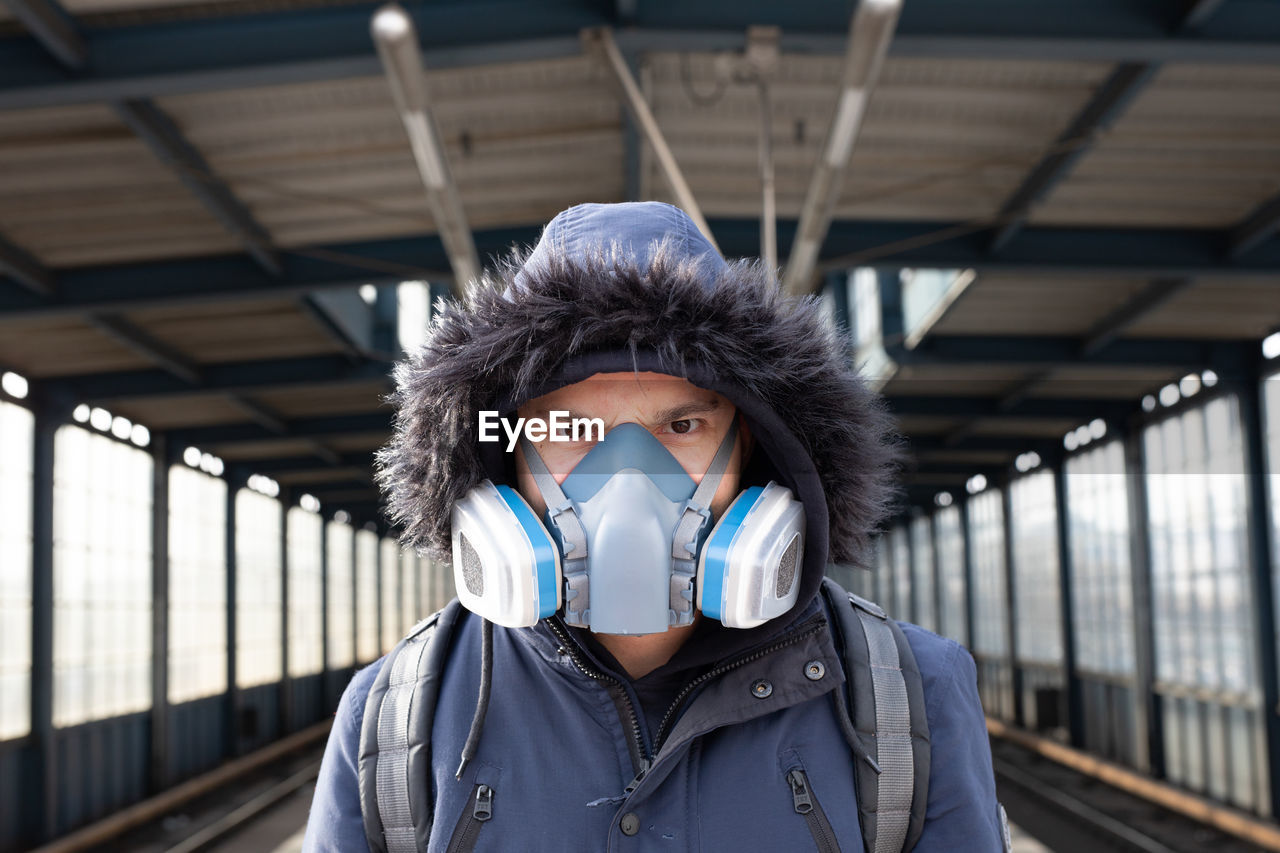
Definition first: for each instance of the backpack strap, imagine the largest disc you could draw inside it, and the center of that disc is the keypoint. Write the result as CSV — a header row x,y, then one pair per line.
x,y
891,728
395,736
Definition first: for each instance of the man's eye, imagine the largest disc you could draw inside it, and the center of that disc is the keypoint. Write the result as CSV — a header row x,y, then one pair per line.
x,y
681,427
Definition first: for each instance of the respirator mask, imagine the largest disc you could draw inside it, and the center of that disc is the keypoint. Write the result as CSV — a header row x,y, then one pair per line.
x,y
627,544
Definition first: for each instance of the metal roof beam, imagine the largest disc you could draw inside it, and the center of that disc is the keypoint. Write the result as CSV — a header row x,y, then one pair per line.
x,y
53,28
23,268
285,466
1155,294
1153,253
1058,351
166,141
1047,408
322,427
1257,228
1107,104
186,56
1197,13
155,351
870,31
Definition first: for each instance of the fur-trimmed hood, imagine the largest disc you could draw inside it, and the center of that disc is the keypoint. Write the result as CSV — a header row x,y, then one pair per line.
x,y
581,303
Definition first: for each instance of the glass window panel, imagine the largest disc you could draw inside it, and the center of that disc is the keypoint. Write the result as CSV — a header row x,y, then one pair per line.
x,y
990,605
259,589
389,567
884,573
1036,589
341,594
1197,501
101,577
1271,407
1098,524
17,431
954,619
197,584
366,596
306,597
923,602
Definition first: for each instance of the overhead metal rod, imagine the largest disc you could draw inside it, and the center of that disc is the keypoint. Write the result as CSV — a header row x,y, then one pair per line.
x,y
22,267
167,142
1107,104
870,31
53,28
601,41
396,39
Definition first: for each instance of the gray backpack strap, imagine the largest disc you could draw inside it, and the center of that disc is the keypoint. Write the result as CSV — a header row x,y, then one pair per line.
x,y
887,709
395,736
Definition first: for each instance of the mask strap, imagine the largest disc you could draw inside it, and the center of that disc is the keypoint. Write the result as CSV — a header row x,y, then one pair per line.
x,y
559,507
697,510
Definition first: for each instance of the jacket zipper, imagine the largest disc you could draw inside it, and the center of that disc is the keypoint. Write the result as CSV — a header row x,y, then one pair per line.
x,y
617,688
668,719
468,828
806,805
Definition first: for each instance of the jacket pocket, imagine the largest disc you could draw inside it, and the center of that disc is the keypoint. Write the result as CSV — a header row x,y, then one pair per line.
x,y
478,812
807,806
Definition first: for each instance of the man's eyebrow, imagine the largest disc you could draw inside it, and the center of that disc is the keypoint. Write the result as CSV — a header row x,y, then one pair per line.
x,y
682,411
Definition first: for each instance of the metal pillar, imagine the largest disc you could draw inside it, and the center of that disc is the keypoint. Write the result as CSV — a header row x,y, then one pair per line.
x,y
232,704
1263,562
286,683
968,574
1011,604
159,776
43,792
1066,603
1149,716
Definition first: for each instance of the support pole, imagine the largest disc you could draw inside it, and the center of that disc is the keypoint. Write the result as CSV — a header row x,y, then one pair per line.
x,y
159,613
1066,601
602,40
1149,713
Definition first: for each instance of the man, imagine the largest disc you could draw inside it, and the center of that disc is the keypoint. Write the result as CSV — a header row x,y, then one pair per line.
x,y
669,671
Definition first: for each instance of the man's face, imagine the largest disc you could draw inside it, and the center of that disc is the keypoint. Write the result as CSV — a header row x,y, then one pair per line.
x,y
688,420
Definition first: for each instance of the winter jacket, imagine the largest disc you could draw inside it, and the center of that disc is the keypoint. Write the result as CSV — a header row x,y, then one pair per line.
x,y
558,753
636,287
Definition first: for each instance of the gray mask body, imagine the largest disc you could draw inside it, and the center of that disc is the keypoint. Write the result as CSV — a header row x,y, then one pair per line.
x,y
640,519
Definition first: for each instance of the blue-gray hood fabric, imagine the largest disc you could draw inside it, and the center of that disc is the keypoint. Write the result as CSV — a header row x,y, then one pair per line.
x,y
636,287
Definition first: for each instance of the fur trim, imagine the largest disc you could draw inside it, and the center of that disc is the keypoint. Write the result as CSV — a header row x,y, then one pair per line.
x,y
513,335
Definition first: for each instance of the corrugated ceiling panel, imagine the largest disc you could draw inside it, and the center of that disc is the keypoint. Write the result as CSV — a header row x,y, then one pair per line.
x,y
330,162
954,380
1200,147
79,188
63,347
1014,304
943,139
242,332
1216,308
